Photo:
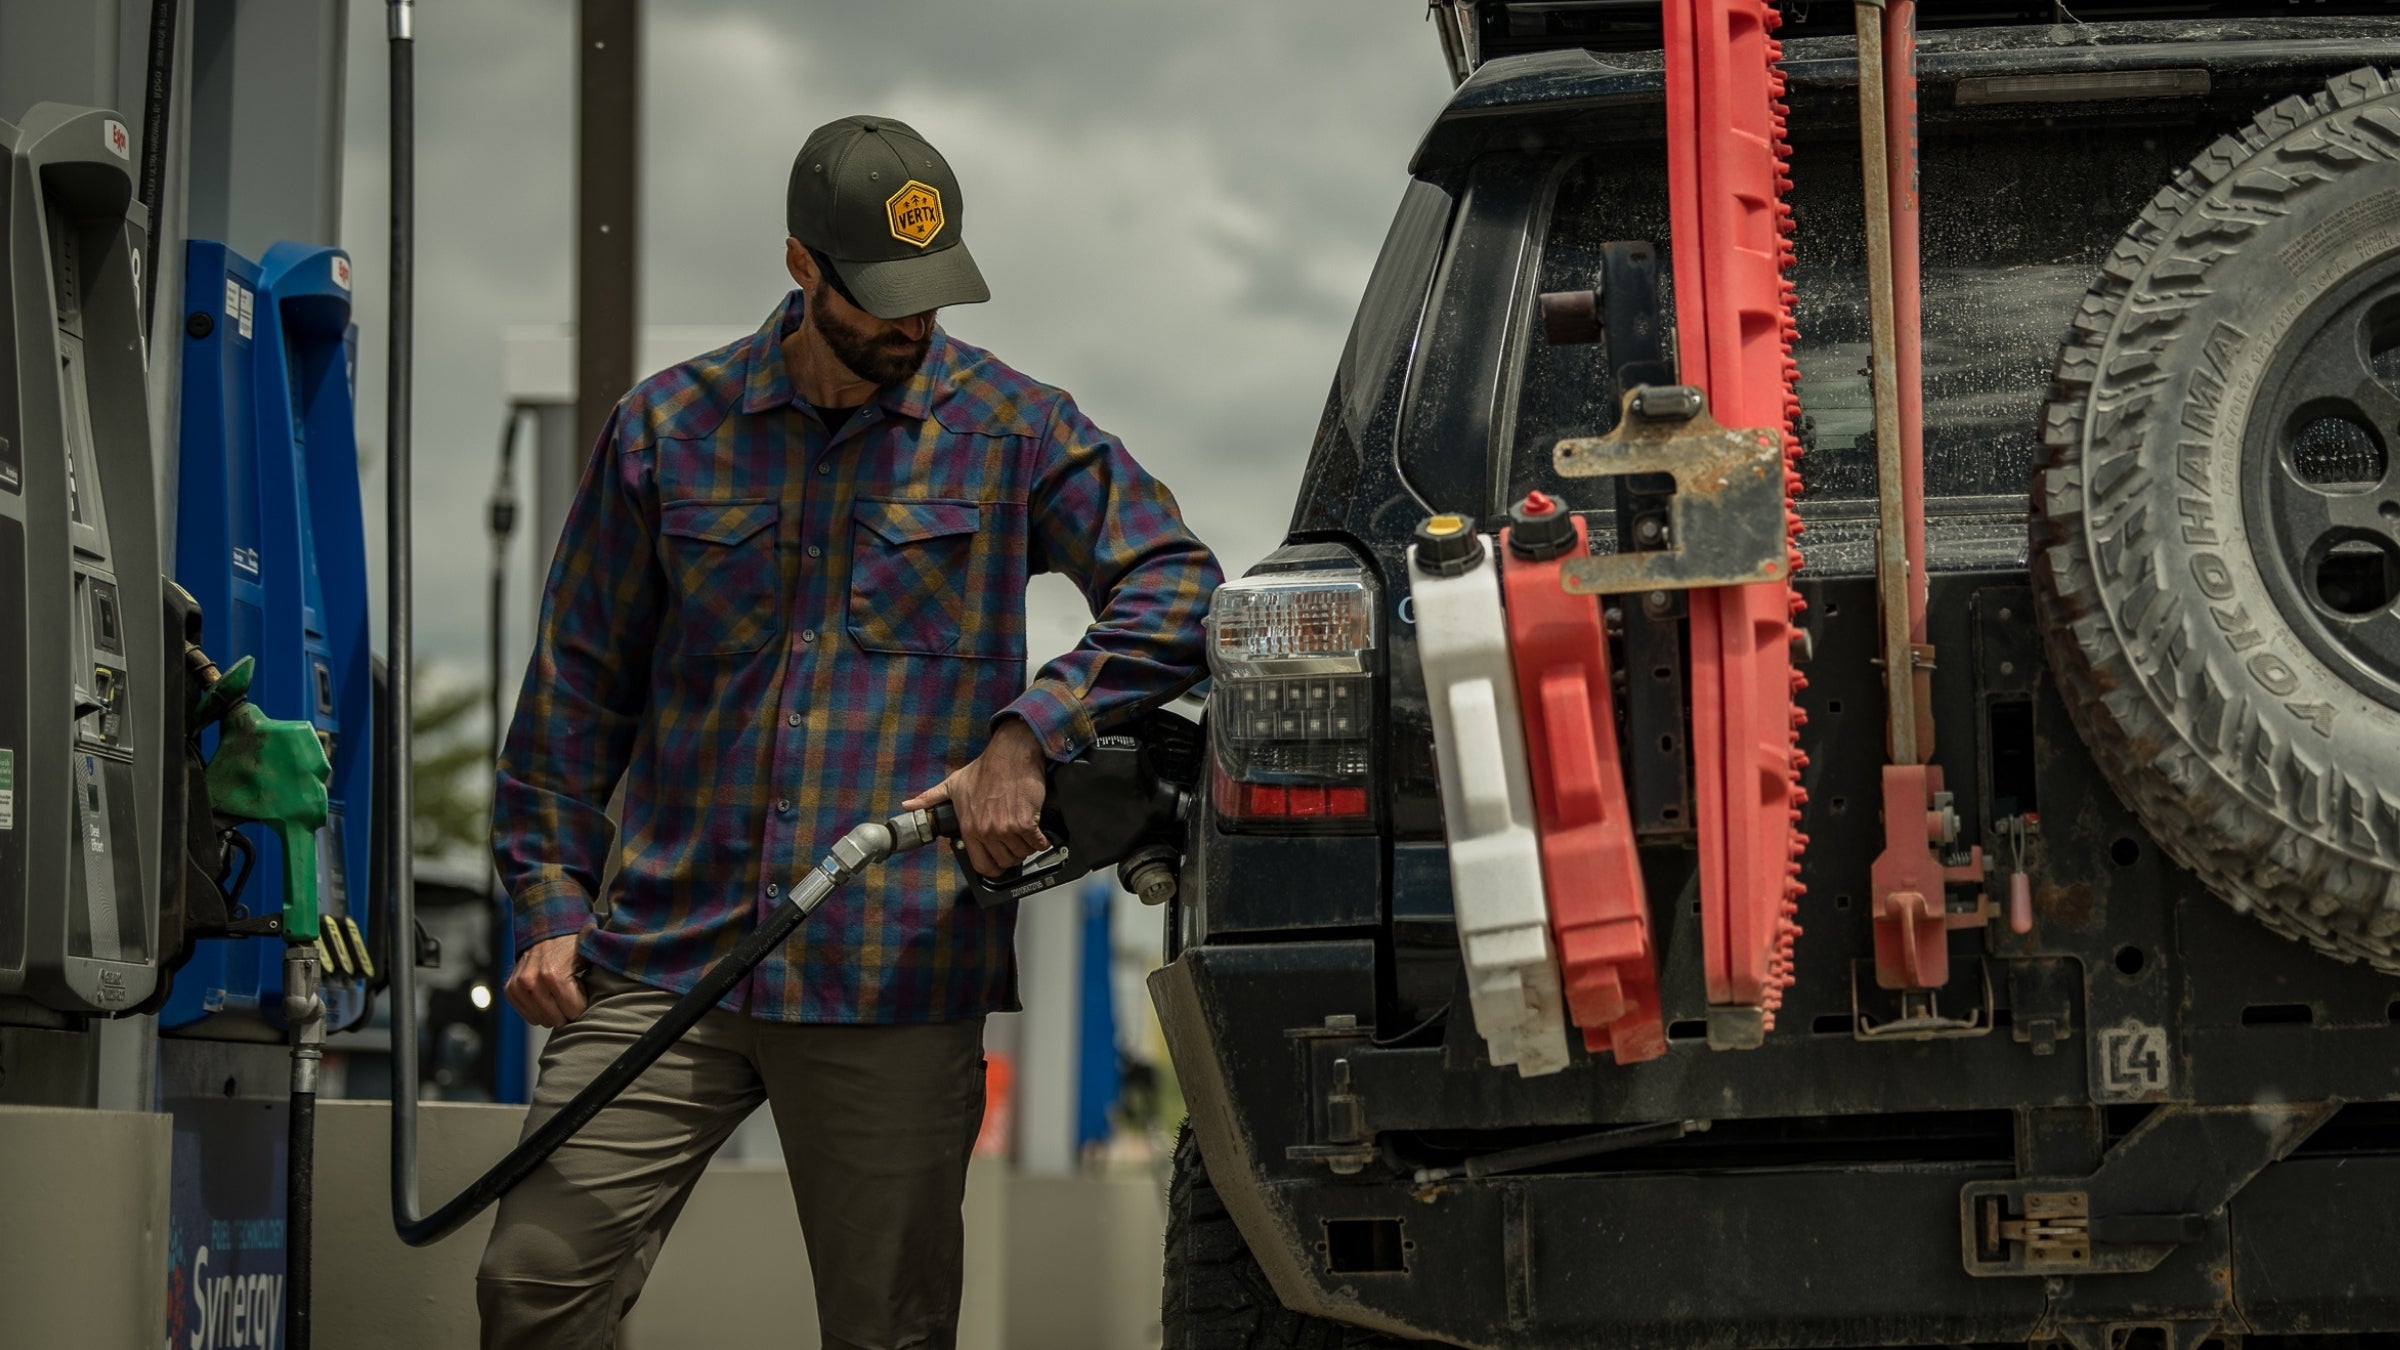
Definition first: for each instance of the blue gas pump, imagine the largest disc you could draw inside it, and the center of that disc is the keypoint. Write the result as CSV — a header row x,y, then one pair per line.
x,y
270,536
308,421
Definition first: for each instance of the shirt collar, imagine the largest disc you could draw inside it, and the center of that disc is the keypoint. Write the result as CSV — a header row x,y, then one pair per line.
x,y
767,385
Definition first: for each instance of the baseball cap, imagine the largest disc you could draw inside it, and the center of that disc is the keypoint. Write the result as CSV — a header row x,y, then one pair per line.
x,y
871,194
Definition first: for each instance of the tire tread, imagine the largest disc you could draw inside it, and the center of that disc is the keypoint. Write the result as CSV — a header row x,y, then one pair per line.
x,y
1216,1296
2291,876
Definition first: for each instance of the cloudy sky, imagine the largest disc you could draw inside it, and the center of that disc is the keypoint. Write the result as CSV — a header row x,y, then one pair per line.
x,y
1176,206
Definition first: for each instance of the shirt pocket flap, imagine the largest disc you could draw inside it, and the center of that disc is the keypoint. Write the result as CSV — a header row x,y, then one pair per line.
x,y
716,522
908,522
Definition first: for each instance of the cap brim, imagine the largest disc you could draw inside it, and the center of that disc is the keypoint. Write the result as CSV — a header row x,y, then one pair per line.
x,y
905,286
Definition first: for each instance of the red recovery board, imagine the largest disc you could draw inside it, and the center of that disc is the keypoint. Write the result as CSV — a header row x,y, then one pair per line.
x,y
1727,164
1591,873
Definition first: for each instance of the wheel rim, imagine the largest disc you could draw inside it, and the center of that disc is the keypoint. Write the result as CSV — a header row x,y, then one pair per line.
x,y
2321,480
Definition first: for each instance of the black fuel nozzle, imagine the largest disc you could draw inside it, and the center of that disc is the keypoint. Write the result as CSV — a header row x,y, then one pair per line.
x,y
1120,803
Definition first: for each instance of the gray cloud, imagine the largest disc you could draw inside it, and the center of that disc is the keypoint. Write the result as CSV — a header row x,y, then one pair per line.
x,y
1176,205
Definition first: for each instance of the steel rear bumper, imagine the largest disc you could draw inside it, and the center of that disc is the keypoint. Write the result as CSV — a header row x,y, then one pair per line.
x,y
1857,1255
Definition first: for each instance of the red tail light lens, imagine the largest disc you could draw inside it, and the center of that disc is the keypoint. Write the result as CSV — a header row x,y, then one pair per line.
x,y
1260,801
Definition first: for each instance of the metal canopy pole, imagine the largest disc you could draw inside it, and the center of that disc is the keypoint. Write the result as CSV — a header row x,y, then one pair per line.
x,y
608,140
400,614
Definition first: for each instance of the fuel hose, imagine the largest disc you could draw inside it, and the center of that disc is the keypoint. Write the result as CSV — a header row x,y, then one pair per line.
x,y
865,845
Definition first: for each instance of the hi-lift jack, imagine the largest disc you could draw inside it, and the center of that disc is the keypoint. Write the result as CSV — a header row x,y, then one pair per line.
x,y
1910,879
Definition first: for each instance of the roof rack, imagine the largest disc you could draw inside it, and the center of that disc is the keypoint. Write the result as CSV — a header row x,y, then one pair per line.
x,y
1476,31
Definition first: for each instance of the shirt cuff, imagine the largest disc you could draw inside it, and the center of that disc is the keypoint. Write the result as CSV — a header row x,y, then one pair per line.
x,y
1057,717
549,909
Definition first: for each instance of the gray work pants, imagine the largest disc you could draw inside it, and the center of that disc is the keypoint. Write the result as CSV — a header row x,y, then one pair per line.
x,y
876,1123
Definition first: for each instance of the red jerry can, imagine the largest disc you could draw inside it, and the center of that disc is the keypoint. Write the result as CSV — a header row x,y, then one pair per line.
x,y
1592,876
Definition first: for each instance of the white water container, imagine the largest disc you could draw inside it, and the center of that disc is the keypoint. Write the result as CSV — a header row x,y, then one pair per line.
x,y
1487,798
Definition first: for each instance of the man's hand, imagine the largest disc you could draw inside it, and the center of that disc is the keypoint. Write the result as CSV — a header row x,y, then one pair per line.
x,y
547,985
999,800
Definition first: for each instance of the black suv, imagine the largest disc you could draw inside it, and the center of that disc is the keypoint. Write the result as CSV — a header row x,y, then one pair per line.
x,y
2161,344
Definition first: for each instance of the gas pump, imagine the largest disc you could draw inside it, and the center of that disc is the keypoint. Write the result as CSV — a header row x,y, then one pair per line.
x,y
271,542
85,739
313,428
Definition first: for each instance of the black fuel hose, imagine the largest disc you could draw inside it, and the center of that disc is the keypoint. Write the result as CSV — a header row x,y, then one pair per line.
x,y
299,1219
158,97
397,805
862,847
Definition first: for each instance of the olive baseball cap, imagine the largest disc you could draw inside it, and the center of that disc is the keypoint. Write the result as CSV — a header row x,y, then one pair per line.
x,y
871,194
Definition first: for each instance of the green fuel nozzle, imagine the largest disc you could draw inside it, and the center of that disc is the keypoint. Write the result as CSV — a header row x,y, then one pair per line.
x,y
268,771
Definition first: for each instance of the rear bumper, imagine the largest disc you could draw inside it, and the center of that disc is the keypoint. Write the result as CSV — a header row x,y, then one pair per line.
x,y
1798,1256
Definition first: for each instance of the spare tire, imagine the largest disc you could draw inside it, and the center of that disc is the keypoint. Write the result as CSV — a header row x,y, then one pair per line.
x,y
2216,518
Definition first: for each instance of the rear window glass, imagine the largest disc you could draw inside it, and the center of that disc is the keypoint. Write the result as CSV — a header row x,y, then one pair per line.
x,y
1360,409
2017,218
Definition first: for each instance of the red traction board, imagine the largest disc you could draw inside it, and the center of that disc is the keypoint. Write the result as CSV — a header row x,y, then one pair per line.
x,y
1726,174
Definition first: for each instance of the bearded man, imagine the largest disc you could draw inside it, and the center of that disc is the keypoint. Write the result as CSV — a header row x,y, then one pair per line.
x,y
790,596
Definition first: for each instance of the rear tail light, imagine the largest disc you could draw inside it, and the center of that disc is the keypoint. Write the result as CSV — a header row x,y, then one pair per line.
x,y
1292,716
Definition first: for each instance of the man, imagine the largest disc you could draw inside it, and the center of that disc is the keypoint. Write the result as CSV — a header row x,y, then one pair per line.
x,y
790,597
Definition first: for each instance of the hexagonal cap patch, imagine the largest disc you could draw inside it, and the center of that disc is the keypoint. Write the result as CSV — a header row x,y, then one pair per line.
x,y
915,212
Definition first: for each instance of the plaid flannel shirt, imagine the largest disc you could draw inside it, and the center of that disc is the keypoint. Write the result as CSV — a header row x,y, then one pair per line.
x,y
771,634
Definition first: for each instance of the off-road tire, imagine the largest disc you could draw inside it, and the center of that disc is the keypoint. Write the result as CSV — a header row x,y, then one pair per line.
x,y
2266,768
1216,1296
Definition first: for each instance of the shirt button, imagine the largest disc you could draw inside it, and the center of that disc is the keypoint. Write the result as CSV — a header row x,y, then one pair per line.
x,y
774,889
815,552
791,719
808,635
824,466
784,804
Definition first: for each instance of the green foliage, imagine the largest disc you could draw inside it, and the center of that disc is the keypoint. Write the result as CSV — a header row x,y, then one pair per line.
x,y
454,768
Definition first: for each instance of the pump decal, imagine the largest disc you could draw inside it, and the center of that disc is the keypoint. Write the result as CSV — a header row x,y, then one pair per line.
x,y
238,300
235,1310
115,137
8,789
99,876
341,271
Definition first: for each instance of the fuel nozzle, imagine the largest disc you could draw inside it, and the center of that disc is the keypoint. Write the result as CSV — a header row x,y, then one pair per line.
x,y
270,771
1120,803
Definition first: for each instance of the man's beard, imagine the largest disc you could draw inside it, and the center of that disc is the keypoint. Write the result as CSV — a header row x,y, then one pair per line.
x,y
886,359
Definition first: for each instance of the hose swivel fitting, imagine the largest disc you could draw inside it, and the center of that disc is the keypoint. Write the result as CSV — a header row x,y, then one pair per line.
x,y
872,841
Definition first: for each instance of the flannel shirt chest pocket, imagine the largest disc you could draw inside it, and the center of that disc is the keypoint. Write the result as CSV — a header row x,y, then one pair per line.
x,y
721,565
920,579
